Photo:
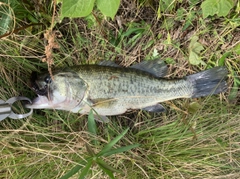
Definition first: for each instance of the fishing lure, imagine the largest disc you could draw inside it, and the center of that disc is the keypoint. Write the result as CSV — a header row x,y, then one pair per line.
x,y
6,108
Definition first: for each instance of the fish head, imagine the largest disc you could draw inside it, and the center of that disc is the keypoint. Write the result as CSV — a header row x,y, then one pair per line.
x,y
62,90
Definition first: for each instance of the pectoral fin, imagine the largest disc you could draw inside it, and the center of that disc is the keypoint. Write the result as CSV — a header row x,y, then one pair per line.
x,y
100,118
156,67
103,102
154,108
107,107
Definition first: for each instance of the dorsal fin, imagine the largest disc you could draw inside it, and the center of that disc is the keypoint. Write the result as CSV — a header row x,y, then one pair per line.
x,y
156,67
108,63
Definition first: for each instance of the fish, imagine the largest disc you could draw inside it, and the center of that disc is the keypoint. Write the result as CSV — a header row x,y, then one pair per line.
x,y
109,89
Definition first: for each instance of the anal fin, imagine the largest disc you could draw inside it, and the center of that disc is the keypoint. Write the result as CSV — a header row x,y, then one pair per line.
x,y
154,108
101,118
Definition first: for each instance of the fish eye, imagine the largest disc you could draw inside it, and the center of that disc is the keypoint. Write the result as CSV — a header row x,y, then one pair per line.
x,y
47,79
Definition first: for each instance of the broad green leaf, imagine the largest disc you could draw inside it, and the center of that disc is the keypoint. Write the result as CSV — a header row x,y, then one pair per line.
x,y
209,8
76,8
108,7
218,7
194,50
120,150
195,46
194,59
224,6
111,143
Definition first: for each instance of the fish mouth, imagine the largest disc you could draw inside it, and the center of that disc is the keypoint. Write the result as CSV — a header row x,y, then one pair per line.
x,y
60,102
35,87
42,101
39,102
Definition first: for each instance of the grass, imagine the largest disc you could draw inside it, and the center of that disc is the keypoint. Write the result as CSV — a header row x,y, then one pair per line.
x,y
184,142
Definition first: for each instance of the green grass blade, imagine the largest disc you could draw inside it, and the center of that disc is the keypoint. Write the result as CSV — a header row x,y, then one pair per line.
x,y
6,18
92,127
86,169
108,172
112,143
107,168
90,150
234,91
73,171
103,164
120,150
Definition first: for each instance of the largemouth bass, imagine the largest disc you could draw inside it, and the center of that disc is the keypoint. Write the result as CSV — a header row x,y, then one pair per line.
x,y
109,89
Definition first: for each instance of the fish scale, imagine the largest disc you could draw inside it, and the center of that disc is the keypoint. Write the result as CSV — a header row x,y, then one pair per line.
x,y
131,82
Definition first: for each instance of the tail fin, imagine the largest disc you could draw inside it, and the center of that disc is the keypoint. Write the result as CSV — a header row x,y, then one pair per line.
x,y
212,81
